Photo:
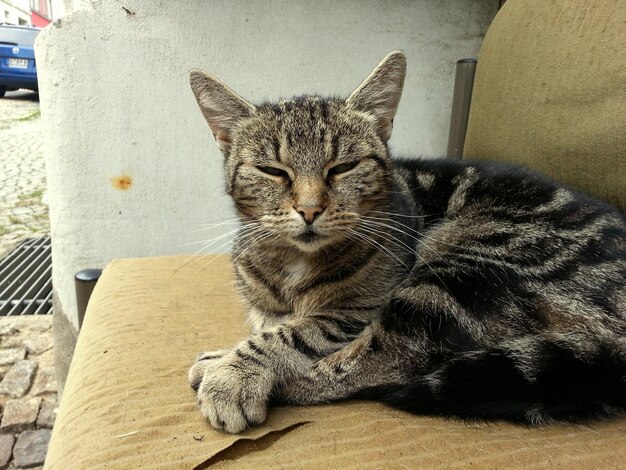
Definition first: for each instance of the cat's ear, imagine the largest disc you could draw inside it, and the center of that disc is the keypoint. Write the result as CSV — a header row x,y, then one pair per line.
x,y
222,107
380,93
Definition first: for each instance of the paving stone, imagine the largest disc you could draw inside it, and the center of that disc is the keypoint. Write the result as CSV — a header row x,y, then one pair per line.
x,y
10,356
11,342
31,448
18,379
6,449
45,382
7,328
42,326
47,414
20,415
38,344
39,323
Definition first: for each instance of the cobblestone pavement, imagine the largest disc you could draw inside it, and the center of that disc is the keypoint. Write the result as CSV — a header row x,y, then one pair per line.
x,y
28,398
23,212
28,390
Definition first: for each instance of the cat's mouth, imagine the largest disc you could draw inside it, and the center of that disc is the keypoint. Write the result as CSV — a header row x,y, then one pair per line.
x,y
311,241
309,237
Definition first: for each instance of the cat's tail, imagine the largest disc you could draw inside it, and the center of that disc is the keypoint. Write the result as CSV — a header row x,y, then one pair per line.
x,y
529,380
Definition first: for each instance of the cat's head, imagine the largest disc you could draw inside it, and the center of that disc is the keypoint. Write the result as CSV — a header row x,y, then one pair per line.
x,y
306,169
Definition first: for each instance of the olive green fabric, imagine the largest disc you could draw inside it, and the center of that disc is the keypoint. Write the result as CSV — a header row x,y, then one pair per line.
x,y
550,93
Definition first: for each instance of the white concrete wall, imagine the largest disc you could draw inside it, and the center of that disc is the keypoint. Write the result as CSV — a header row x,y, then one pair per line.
x,y
116,102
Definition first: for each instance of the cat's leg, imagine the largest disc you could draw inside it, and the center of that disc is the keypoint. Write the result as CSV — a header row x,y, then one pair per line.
x,y
234,390
417,324
375,358
258,321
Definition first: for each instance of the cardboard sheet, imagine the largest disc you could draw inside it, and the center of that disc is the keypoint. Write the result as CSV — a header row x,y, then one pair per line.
x,y
127,404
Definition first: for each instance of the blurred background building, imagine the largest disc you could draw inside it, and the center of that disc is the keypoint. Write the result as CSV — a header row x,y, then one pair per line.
x,y
38,13
15,12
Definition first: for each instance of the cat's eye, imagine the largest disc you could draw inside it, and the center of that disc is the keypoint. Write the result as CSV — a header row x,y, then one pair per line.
x,y
342,168
270,170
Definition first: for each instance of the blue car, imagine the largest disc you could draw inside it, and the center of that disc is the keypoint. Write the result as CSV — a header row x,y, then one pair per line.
x,y
17,58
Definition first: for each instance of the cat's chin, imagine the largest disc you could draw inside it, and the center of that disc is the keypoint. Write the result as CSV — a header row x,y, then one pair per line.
x,y
310,242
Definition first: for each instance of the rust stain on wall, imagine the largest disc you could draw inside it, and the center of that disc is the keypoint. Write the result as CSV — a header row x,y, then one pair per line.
x,y
122,182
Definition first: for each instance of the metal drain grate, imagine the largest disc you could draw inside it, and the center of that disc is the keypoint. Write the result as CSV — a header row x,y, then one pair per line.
x,y
26,279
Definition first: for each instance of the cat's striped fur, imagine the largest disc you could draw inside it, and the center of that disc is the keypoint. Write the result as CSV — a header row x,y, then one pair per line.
x,y
438,286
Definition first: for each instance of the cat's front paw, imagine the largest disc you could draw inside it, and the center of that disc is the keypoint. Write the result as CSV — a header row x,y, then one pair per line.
x,y
204,361
233,395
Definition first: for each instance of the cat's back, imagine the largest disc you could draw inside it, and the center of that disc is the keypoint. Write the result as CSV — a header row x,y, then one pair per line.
x,y
497,235
449,188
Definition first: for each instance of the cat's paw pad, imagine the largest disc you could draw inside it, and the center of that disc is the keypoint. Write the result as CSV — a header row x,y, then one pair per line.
x,y
203,362
232,397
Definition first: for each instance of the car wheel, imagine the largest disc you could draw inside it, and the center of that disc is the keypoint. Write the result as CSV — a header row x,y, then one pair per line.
x,y
2,91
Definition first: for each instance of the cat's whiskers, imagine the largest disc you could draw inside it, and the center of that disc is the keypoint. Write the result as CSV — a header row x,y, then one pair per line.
x,y
215,225
367,228
386,219
466,249
197,256
417,239
211,240
219,221
399,243
255,241
251,232
474,253
379,246
243,231
407,216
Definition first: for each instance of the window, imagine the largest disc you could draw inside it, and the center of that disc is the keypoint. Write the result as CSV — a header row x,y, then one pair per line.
x,y
42,7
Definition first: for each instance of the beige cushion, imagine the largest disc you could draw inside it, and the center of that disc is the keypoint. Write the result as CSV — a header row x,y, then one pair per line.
x,y
127,405
550,93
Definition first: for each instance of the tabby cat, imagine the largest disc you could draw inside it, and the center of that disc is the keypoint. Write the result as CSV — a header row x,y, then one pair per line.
x,y
440,287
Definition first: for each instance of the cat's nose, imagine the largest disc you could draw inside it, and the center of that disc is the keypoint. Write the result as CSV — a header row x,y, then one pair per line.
x,y
309,213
